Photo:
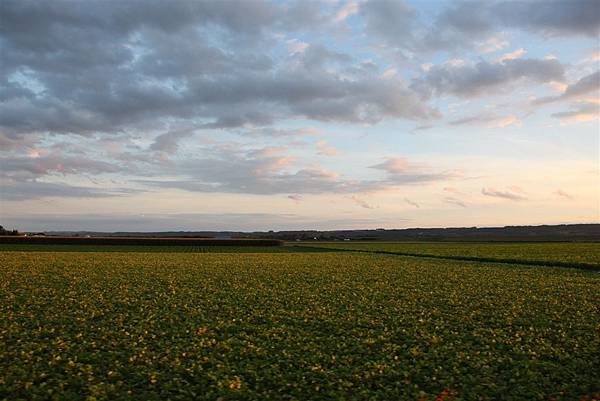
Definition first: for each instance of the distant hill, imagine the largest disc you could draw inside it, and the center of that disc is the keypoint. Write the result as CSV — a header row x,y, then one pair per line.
x,y
566,232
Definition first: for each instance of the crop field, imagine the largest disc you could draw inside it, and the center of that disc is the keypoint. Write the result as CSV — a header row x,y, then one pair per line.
x,y
552,253
284,326
158,248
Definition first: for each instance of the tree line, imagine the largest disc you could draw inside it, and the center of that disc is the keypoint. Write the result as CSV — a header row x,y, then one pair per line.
x,y
4,231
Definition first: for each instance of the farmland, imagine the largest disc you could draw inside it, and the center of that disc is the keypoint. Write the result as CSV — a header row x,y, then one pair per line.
x,y
582,254
159,248
293,325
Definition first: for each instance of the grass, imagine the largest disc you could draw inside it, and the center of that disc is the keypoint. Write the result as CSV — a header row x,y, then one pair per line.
x,y
276,326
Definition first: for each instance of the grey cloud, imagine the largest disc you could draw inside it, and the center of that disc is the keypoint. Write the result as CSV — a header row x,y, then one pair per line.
x,y
315,57
270,171
169,141
277,132
412,203
479,118
490,120
584,86
468,17
25,168
551,17
584,111
391,20
454,201
457,26
17,143
510,195
463,23
587,84
362,203
422,128
400,171
27,190
104,68
483,77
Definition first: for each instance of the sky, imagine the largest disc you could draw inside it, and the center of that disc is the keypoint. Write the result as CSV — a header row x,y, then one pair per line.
x,y
286,115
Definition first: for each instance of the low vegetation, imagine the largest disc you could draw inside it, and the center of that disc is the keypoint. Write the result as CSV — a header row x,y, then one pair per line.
x,y
276,326
567,254
138,241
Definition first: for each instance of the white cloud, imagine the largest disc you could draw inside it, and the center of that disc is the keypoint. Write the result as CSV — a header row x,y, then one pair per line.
x,y
348,9
296,46
323,148
513,55
493,44
504,122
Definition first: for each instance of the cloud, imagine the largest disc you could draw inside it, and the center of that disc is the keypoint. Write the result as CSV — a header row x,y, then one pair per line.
x,y
392,21
323,148
493,44
362,203
511,194
169,141
277,132
513,55
580,112
584,95
270,170
422,128
463,22
28,168
395,165
126,67
412,203
452,190
295,46
401,171
475,25
17,142
591,56
454,201
484,78
348,9
589,84
117,89
489,120
27,190
550,18
562,194
267,170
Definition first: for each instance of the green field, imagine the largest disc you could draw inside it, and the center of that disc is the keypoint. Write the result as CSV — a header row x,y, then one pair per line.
x,y
159,248
577,254
277,326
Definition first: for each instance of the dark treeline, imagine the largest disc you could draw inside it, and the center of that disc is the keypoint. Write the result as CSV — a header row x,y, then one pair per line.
x,y
145,241
566,232
4,231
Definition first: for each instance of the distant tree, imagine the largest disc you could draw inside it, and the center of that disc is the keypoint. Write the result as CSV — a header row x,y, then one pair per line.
x,y
4,231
